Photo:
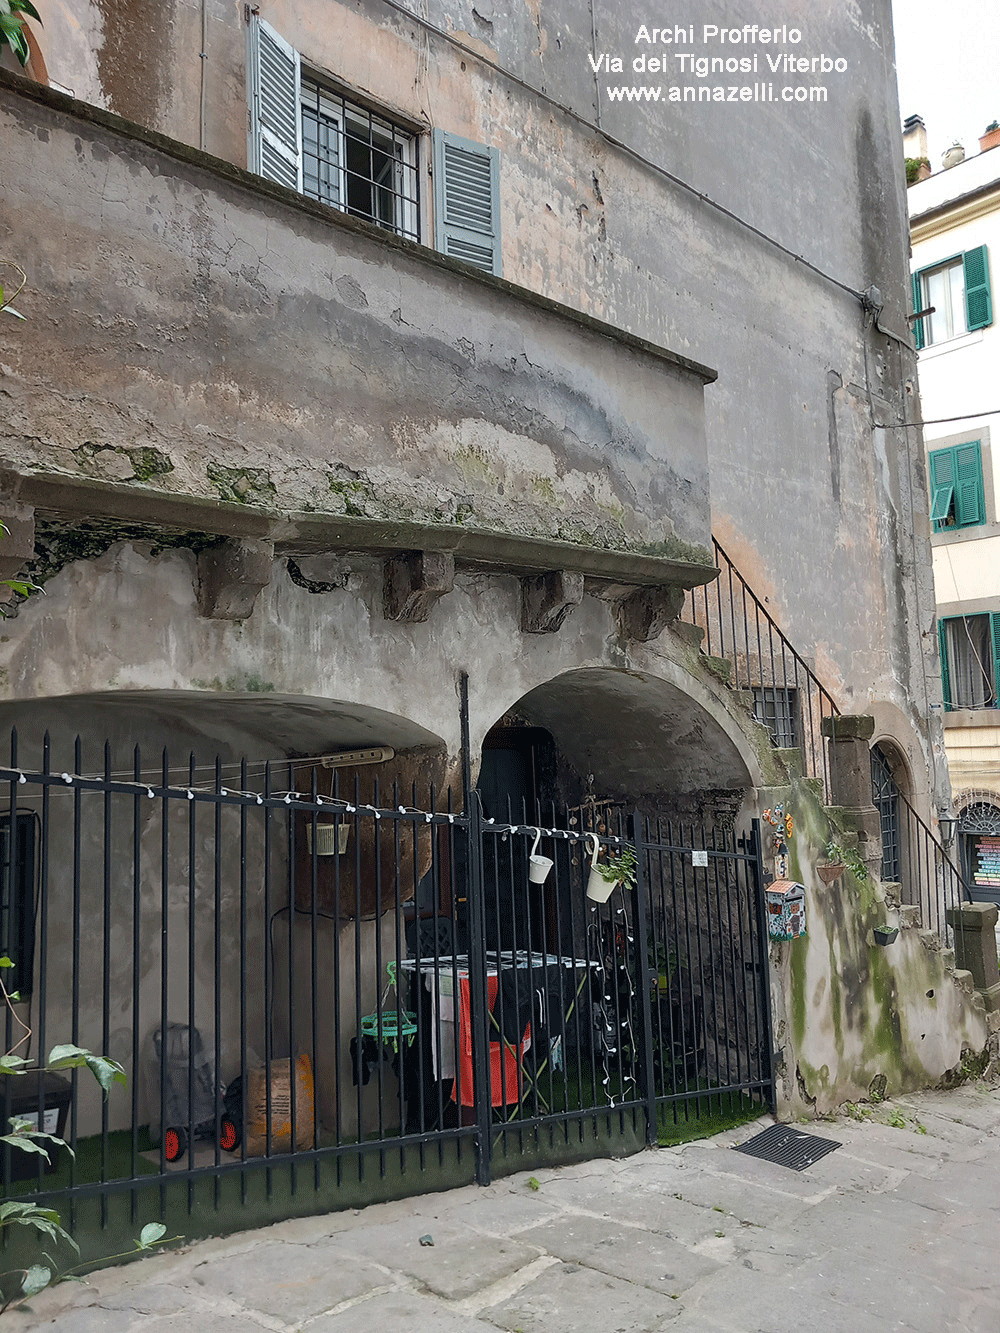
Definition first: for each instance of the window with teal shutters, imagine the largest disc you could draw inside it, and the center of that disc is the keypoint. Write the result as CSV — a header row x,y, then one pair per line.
x,y
467,201
995,636
978,301
957,292
957,496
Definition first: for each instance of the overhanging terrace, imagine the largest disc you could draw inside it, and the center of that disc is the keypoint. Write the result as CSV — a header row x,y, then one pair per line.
x,y
204,349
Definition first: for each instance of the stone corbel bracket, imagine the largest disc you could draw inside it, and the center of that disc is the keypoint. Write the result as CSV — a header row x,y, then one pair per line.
x,y
231,576
547,599
414,581
645,613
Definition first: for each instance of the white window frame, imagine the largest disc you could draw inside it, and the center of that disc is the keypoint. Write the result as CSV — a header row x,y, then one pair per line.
x,y
317,96
949,319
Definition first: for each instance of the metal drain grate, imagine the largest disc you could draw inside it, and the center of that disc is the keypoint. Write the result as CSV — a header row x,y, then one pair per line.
x,y
787,1146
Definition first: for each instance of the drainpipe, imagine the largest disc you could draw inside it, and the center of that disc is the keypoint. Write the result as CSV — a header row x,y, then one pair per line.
x,y
203,54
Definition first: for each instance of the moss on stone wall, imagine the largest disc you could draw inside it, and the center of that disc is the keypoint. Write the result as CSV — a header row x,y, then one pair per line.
x,y
58,544
856,1013
242,485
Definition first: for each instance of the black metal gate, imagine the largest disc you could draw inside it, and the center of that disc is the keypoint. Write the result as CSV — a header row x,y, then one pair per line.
x,y
325,999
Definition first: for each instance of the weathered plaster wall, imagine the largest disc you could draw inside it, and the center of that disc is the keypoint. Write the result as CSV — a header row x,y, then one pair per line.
x,y
211,341
329,666
853,1018
795,462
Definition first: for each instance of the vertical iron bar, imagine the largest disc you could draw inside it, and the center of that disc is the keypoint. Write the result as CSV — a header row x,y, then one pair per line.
x,y
136,960
268,981
314,969
478,995
647,1081
357,970
243,984
164,966
43,917
292,1042
756,867
217,979
106,971
191,1026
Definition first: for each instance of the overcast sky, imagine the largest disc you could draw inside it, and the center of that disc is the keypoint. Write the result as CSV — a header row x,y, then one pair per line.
x,y
948,64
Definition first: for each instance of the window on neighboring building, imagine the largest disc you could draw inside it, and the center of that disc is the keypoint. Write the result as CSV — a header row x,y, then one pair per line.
x,y
957,496
970,660
959,292
777,708
979,830
305,134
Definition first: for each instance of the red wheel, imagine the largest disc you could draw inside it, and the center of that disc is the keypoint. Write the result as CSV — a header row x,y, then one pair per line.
x,y
174,1143
229,1137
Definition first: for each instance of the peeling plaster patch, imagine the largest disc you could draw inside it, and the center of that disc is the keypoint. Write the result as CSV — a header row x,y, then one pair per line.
x,y
475,44
121,464
351,293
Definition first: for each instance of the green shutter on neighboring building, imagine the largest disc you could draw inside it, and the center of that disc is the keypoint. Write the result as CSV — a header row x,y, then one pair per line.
x,y
978,301
956,476
970,502
942,470
995,637
918,324
943,652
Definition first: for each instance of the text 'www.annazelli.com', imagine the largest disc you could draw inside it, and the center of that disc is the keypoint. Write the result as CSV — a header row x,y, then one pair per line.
x,y
704,92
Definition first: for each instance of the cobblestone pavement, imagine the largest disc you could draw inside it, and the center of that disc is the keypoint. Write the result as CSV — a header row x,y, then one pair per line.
x,y
896,1229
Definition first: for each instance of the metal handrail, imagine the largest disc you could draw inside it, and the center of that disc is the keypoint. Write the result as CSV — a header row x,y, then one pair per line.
x,y
787,695
792,702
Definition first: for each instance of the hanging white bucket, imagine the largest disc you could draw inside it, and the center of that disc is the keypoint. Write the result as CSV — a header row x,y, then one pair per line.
x,y
331,839
599,889
538,866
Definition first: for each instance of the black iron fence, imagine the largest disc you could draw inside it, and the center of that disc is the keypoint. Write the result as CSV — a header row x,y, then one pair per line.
x,y
322,998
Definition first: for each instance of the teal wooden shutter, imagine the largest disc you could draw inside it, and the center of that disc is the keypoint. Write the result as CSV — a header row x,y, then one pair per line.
x,y
918,304
942,470
995,636
978,301
943,653
969,499
274,140
467,201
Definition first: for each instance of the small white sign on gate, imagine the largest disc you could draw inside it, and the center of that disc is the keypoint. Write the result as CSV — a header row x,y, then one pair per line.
x,y
699,859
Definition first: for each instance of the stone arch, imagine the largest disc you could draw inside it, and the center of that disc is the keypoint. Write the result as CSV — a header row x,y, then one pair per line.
x,y
642,735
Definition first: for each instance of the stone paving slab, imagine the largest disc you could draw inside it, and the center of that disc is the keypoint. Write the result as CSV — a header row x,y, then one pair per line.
x,y
399,1312
459,1262
568,1298
896,1230
285,1281
647,1259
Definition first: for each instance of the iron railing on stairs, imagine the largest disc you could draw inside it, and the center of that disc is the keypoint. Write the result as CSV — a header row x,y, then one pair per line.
x,y
786,695
788,699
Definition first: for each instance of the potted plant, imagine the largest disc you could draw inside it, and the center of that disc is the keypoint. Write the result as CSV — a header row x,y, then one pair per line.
x,y
834,865
605,876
